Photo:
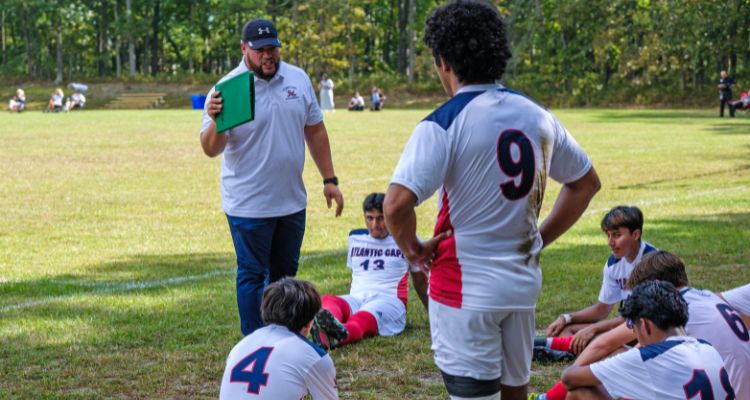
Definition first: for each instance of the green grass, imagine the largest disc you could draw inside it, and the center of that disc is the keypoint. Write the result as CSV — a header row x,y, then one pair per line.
x,y
116,264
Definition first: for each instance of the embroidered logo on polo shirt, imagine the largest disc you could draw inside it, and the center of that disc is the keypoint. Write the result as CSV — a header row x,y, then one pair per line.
x,y
291,92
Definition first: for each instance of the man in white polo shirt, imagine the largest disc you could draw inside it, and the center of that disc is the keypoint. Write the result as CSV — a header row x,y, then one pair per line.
x,y
489,151
262,192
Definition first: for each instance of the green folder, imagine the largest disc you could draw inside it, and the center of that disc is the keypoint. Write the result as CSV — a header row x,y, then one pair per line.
x,y
239,101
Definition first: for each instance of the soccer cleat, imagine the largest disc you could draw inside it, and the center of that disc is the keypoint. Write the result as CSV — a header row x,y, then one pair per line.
x,y
537,396
544,355
318,336
329,328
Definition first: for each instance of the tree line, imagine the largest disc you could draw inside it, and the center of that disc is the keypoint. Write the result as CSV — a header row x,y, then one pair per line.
x,y
572,51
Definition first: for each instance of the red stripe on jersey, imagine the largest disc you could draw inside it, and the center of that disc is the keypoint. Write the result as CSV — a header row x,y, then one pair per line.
x,y
445,274
402,292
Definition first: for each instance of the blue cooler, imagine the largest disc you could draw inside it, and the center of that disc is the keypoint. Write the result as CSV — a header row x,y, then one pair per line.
x,y
198,100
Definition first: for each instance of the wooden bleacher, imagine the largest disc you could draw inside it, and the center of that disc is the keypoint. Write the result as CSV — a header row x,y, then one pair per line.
x,y
135,101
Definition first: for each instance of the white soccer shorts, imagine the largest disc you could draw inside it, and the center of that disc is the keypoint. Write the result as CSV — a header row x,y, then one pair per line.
x,y
389,311
483,345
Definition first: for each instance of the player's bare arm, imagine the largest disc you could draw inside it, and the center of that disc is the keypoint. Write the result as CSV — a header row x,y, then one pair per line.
x,y
606,345
577,376
583,337
213,143
572,201
592,313
421,282
401,221
316,137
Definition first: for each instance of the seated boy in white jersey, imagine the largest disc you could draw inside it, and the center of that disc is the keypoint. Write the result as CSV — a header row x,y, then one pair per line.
x,y
571,332
277,361
739,299
668,365
710,319
376,303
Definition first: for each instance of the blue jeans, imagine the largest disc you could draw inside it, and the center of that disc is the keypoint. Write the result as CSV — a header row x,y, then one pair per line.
x,y
267,250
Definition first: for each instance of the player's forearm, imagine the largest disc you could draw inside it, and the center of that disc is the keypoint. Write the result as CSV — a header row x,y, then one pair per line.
x,y
212,142
578,377
594,313
572,201
401,220
602,346
316,137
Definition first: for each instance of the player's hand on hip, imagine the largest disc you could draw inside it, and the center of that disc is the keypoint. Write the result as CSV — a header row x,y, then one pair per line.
x,y
581,339
332,193
426,251
214,105
556,327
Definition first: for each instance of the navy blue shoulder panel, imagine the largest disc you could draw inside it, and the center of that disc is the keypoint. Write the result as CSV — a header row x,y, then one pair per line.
x,y
358,232
315,347
612,260
648,249
511,91
448,112
685,290
705,342
657,349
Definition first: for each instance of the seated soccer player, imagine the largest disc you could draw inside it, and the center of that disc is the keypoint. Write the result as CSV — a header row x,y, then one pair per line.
x,y
623,226
668,365
739,299
710,319
277,361
376,303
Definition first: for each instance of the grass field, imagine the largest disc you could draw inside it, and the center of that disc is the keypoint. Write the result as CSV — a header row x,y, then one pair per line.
x,y
116,264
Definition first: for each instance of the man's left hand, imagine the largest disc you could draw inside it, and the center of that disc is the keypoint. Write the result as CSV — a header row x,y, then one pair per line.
x,y
332,192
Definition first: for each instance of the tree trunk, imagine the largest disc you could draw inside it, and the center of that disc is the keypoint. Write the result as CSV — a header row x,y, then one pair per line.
x,y
118,58
155,39
131,44
59,77
412,34
102,42
191,46
403,35
2,37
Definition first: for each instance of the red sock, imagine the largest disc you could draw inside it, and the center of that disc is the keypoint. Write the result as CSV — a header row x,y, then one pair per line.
x,y
337,306
557,392
360,325
561,343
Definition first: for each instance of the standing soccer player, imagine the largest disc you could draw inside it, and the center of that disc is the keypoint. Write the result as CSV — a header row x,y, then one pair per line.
x,y
489,151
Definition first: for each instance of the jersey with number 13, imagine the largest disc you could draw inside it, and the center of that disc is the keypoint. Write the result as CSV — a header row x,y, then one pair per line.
x,y
378,266
489,150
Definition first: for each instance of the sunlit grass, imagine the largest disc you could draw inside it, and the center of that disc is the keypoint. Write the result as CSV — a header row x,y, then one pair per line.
x,y
116,264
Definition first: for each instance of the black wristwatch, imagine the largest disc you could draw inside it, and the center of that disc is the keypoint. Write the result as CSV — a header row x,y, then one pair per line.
x,y
333,180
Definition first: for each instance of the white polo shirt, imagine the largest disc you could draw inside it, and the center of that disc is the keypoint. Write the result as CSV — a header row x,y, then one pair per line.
x,y
261,167
489,150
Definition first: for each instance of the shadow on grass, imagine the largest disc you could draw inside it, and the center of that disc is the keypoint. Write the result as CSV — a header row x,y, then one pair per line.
x,y
733,129
652,115
641,185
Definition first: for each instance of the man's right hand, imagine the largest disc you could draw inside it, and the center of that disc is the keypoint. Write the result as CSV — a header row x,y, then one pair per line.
x,y
556,327
215,105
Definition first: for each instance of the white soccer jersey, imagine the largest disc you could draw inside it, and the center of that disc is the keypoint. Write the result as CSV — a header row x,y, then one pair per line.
x,y
489,150
616,273
274,363
378,266
714,321
739,298
678,368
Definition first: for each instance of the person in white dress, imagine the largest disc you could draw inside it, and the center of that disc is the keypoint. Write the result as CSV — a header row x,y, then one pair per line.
x,y
326,94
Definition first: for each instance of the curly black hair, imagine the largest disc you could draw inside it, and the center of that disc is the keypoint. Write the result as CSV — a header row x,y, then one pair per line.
x,y
657,301
471,37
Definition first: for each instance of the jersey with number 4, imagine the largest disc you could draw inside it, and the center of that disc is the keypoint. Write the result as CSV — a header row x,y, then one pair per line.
x,y
679,368
489,151
274,363
713,320
378,266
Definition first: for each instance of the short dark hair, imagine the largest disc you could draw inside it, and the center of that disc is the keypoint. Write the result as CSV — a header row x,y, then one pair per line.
x,y
471,37
290,302
659,265
657,301
373,202
623,216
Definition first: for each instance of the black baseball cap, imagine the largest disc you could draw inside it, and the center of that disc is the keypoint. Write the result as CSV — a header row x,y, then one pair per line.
x,y
260,33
